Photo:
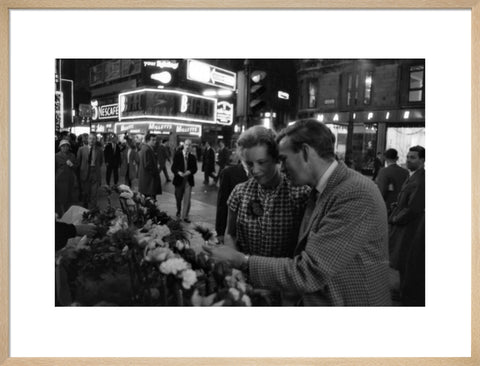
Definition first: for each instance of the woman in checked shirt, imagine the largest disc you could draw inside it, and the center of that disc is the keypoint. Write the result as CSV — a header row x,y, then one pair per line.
x,y
265,212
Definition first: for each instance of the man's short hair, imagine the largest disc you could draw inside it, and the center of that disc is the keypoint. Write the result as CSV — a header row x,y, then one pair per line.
x,y
149,136
312,133
420,150
391,154
259,135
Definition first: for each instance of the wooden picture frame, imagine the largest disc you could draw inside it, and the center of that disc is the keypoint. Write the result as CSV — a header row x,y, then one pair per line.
x,y
7,5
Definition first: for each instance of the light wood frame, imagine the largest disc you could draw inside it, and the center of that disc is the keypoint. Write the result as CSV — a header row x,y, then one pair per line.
x,y
6,5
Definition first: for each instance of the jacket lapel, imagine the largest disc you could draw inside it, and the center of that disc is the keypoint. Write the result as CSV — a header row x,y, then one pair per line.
x,y
336,177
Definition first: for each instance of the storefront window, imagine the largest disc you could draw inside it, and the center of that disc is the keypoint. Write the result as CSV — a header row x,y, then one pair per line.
x,y
403,138
368,87
415,91
312,94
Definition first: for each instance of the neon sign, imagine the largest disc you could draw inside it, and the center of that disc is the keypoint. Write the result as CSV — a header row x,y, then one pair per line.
x,y
159,127
167,104
211,75
224,113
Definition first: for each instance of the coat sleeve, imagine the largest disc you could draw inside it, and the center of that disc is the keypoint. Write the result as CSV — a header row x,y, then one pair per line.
x,y
341,234
194,166
382,182
412,205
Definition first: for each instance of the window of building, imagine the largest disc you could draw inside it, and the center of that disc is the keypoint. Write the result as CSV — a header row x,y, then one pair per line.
x,y
349,89
312,94
416,83
367,97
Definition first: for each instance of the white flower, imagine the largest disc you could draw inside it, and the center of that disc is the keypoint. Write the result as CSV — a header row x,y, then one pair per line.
x,y
160,231
126,195
148,225
189,277
180,244
242,286
235,293
158,254
130,202
124,188
173,266
125,249
114,228
246,300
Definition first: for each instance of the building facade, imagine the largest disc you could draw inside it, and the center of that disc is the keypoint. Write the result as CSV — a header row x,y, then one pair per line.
x,y
370,105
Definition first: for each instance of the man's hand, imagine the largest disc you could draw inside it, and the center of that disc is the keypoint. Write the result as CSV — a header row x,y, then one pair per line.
x,y
86,229
225,253
187,173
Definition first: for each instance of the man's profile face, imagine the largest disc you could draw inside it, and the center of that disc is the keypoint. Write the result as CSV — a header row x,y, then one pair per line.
x,y
413,161
293,163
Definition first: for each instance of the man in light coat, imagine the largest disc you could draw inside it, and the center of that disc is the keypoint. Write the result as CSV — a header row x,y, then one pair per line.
x,y
341,257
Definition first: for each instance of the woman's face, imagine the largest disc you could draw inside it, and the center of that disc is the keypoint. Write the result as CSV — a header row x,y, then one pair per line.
x,y
64,148
260,164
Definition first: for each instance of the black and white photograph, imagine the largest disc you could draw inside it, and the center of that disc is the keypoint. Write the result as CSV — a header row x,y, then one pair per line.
x,y
278,182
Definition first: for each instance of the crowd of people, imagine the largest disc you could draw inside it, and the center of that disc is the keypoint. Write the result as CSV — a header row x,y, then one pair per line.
x,y
294,218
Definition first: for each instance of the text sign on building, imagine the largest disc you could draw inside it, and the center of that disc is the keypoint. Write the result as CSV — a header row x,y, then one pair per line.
x,y
159,127
211,75
167,104
224,113
58,110
283,95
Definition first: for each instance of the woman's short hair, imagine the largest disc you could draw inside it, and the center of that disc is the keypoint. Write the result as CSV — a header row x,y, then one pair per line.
x,y
312,133
258,135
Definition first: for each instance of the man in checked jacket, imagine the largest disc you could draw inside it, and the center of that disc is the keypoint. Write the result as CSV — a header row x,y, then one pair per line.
x,y
341,257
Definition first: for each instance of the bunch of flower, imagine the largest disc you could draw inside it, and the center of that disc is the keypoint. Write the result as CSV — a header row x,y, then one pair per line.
x,y
165,262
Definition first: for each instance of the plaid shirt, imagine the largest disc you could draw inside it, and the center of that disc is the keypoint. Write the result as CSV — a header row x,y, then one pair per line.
x,y
268,219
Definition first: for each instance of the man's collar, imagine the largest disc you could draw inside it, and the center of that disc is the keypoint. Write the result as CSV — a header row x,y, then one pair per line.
x,y
324,179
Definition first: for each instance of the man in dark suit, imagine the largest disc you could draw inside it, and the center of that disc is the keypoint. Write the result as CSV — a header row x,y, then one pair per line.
x,y
148,175
405,225
113,159
223,158
90,160
163,155
184,167
208,166
341,257
390,179
229,178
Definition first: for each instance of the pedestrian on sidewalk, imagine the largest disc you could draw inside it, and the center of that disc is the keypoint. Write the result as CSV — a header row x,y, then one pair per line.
x,y
90,160
163,155
184,167
208,166
223,158
65,177
113,159
149,182
132,162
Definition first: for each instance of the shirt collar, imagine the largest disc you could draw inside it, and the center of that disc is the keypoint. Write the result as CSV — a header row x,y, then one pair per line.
x,y
324,179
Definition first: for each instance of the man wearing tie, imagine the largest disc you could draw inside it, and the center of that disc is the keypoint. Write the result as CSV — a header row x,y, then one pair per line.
x,y
113,159
184,167
341,257
90,160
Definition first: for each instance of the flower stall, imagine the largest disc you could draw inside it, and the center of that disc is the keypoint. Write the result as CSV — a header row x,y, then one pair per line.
x,y
142,257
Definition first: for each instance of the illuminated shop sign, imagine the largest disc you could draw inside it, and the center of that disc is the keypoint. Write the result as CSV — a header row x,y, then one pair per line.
x,y
159,127
102,127
224,113
211,75
106,111
58,109
162,64
167,104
